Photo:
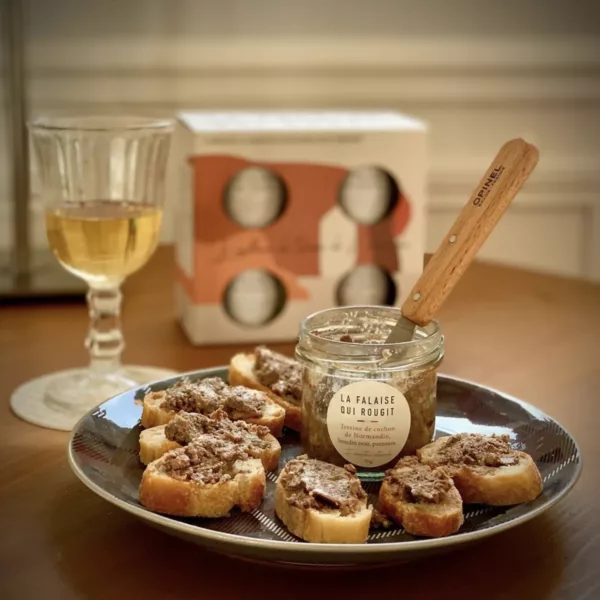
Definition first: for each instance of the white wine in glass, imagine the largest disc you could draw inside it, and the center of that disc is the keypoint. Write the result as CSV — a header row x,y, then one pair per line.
x,y
102,241
103,187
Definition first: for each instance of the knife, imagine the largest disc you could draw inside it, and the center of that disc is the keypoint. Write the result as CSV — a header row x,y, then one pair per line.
x,y
502,181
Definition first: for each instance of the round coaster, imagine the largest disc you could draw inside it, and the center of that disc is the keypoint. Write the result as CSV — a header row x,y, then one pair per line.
x,y
28,401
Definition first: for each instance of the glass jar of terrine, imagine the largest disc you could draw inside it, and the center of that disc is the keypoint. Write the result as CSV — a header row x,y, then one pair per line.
x,y
366,402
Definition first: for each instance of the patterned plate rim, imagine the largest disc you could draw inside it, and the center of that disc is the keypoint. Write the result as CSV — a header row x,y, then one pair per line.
x,y
343,549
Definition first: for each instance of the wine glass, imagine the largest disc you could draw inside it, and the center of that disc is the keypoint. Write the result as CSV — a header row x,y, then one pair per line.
x,y
103,187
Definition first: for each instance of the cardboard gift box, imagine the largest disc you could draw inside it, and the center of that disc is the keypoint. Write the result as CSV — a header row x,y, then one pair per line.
x,y
281,214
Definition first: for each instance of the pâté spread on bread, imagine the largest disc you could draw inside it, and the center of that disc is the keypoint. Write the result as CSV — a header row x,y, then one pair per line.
x,y
187,426
199,465
485,469
322,486
206,396
321,502
278,376
281,374
421,498
415,482
476,450
208,460
211,394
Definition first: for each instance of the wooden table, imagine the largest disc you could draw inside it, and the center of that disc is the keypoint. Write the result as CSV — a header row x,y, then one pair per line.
x,y
534,336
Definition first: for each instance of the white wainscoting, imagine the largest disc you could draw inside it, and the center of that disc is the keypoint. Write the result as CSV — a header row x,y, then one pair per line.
x,y
474,92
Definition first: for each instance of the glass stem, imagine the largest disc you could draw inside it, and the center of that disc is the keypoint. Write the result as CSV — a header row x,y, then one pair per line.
x,y
105,341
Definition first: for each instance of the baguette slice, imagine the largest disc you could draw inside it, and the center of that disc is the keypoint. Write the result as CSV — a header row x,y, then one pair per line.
x,y
322,522
241,372
153,414
404,497
464,456
162,493
154,441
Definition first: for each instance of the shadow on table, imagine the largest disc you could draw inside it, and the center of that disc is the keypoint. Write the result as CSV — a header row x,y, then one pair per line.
x,y
104,553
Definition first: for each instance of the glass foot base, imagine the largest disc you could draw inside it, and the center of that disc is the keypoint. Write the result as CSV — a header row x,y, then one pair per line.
x,y
59,400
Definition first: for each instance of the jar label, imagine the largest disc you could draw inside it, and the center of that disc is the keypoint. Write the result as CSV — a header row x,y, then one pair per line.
x,y
368,422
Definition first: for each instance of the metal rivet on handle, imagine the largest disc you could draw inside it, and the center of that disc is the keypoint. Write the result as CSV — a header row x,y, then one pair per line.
x,y
452,239
417,296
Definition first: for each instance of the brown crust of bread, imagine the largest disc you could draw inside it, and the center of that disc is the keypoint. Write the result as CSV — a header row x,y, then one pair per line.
x,y
154,443
241,372
496,486
504,486
322,527
163,494
153,415
423,519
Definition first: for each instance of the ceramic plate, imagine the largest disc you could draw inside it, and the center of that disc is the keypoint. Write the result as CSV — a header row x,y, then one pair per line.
x,y
103,452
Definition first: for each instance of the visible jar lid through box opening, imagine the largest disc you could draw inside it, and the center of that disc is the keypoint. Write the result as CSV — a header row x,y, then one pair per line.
x,y
366,402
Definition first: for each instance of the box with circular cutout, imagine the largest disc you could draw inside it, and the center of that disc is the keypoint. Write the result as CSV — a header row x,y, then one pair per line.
x,y
281,214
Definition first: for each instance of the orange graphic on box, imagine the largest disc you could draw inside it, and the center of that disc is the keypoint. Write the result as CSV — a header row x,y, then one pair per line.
x,y
288,247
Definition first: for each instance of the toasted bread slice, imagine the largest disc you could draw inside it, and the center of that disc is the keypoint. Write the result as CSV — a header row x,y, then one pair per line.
x,y
422,500
163,493
241,372
155,442
485,469
311,514
154,414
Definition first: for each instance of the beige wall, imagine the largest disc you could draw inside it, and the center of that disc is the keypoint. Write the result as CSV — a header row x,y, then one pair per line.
x,y
477,71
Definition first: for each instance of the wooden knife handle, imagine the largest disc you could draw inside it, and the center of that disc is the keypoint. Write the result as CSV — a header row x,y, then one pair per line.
x,y
500,184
